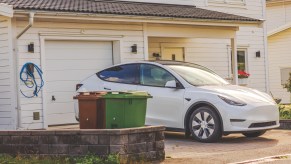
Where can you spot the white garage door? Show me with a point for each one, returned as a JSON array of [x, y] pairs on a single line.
[[67, 63]]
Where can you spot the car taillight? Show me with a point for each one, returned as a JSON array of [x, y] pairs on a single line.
[[78, 86]]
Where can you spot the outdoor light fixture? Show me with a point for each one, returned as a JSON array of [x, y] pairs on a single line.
[[134, 49], [258, 54], [30, 48]]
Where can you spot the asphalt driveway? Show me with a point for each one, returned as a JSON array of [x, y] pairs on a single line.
[[232, 148]]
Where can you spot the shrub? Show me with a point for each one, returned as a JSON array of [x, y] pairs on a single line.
[[285, 111], [288, 84], [88, 159]]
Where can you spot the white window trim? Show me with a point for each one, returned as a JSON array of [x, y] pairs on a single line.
[[239, 48], [227, 3]]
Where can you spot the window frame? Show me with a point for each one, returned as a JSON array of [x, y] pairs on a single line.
[[178, 87], [181, 86], [284, 70], [246, 60], [138, 77]]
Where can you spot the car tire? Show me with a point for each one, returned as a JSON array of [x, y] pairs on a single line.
[[254, 134], [204, 125]]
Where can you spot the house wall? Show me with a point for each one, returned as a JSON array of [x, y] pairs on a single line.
[[249, 38], [278, 15], [212, 53], [279, 55], [130, 34], [7, 119]]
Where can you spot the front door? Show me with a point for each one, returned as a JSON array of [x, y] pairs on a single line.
[[167, 103], [173, 53]]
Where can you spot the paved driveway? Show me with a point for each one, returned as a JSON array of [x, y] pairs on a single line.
[[232, 148]]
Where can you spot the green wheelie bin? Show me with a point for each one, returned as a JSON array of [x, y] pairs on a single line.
[[125, 109]]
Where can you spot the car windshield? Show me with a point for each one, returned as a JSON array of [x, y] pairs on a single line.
[[198, 75]]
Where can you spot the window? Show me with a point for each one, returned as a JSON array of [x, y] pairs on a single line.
[[127, 74], [241, 61], [152, 75], [285, 75]]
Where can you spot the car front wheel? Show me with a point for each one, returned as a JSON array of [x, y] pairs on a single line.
[[254, 134], [205, 125]]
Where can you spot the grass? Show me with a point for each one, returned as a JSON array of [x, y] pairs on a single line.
[[89, 159], [285, 112]]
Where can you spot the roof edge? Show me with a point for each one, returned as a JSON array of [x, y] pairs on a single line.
[[135, 2], [279, 29], [135, 17]]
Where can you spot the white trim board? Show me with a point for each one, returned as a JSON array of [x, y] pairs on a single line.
[[279, 29]]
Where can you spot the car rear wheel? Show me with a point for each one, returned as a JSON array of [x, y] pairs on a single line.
[[254, 134], [205, 125]]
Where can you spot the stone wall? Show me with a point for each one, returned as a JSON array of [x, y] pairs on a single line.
[[285, 124], [146, 143]]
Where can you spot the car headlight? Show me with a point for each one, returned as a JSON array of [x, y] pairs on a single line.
[[232, 102]]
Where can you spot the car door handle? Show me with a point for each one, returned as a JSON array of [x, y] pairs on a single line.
[[107, 89]]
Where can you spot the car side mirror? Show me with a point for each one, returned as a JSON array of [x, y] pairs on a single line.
[[171, 84]]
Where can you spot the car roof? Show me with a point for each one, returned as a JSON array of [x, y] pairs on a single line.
[[171, 62]]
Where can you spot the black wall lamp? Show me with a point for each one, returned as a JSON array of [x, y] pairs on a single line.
[[30, 48], [258, 54], [134, 49]]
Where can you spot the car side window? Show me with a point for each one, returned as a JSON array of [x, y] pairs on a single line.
[[151, 75], [128, 74]]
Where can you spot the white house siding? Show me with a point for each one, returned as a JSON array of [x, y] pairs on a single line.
[[278, 15], [212, 53], [249, 38], [7, 120], [279, 55], [130, 33]]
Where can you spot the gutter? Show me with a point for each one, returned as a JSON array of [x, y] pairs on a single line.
[[134, 18], [266, 59], [30, 23]]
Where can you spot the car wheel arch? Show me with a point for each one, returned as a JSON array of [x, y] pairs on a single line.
[[195, 106]]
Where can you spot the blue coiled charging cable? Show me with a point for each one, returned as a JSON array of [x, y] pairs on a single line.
[[29, 79]]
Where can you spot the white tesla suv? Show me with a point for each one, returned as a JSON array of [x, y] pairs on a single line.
[[190, 98]]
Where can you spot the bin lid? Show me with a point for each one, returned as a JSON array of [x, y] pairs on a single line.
[[89, 95], [128, 94]]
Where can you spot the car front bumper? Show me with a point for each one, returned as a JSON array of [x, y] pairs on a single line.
[[255, 117]]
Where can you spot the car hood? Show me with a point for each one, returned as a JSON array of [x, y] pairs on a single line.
[[242, 93]]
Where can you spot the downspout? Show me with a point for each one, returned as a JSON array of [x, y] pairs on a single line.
[[30, 23], [266, 59]]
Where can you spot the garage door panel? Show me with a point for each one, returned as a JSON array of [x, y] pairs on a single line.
[[79, 53], [60, 97], [61, 86], [81, 64], [60, 119], [60, 108], [76, 44], [68, 75], [67, 63]]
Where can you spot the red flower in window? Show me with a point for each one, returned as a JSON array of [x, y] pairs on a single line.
[[242, 74]]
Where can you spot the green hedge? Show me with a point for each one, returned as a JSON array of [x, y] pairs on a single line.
[[285, 111]]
